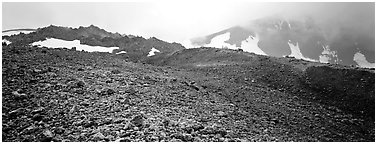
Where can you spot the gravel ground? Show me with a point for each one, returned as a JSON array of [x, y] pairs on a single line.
[[70, 96]]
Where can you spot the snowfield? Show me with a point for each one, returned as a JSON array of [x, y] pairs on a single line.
[[58, 43]]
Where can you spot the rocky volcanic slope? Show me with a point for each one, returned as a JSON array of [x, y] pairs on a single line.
[[63, 95], [137, 48]]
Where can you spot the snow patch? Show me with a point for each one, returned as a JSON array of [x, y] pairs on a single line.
[[295, 52], [58, 43], [152, 52], [360, 59], [251, 45], [219, 42], [6, 41], [122, 52], [327, 55], [324, 59], [248, 45]]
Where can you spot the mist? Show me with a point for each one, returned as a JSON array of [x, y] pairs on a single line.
[[335, 19]]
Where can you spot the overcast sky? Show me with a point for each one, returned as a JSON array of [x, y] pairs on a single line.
[[175, 21]]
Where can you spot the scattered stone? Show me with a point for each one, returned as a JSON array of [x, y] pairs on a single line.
[[59, 130], [98, 136], [17, 112], [37, 117], [47, 136], [18, 95], [123, 140], [37, 70], [89, 124], [85, 103], [138, 121], [107, 91], [109, 81], [187, 137], [119, 120], [115, 71], [80, 84], [221, 114]]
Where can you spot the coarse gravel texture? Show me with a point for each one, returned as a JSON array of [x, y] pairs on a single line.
[[63, 95]]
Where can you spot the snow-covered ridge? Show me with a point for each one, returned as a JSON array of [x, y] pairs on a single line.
[[58, 43]]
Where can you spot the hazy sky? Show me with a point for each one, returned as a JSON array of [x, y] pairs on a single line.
[[175, 21]]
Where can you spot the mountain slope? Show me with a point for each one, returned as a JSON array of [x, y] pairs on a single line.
[[329, 84], [276, 35], [202, 94], [136, 47]]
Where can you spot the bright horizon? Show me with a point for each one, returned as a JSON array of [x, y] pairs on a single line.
[[169, 20]]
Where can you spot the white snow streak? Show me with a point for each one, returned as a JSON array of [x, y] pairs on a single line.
[[152, 52], [58, 43]]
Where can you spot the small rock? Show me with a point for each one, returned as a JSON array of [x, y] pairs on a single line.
[[89, 124], [154, 138], [37, 117], [47, 136], [127, 126], [98, 136], [80, 84], [138, 121], [175, 140], [18, 95], [136, 128], [109, 81], [221, 139], [37, 70], [187, 137], [85, 103], [197, 139], [120, 120], [39, 110], [197, 127], [17, 112], [123, 140], [115, 71], [221, 114], [108, 91], [59, 130], [57, 139], [126, 134]]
